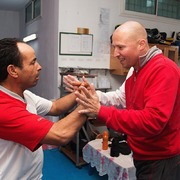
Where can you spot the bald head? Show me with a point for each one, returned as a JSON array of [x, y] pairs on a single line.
[[130, 42], [132, 30]]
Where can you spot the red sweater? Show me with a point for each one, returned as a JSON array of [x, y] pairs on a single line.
[[152, 117]]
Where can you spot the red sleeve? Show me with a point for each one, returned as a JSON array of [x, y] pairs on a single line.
[[152, 103], [21, 126]]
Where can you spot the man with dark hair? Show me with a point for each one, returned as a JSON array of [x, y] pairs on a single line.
[[23, 129]]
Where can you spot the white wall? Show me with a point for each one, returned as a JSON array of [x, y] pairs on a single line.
[[63, 15], [85, 13], [46, 48], [9, 24]]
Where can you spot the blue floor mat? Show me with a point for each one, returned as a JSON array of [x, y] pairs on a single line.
[[57, 166]]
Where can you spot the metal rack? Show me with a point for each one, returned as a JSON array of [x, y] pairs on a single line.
[[74, 155]]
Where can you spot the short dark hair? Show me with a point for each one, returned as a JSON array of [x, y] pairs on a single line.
[[9, 54]]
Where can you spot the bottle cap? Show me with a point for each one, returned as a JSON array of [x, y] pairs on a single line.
[[105, 133]]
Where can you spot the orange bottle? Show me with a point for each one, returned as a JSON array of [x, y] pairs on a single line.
[[105, 140]]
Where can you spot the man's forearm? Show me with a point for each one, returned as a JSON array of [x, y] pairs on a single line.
[[66, 128], [63, 104]]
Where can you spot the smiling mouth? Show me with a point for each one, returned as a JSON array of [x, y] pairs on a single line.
[[121, 60], [37, 77]]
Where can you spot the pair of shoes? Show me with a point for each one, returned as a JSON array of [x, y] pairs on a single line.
[[119, 146]]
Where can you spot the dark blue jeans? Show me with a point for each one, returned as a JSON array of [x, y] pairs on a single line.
[[166, 169]]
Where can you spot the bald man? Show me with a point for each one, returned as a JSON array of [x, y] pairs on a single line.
[[151, 119]]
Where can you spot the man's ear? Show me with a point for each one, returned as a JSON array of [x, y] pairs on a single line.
[[142, 44], [12, 71]]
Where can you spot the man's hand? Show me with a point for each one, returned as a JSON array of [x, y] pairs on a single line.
[[73, 84], [70, 81], [89, 100]]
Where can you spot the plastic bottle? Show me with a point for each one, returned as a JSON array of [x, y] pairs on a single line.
[[105, 140]]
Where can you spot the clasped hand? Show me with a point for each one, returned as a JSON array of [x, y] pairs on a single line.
[[86, 95]]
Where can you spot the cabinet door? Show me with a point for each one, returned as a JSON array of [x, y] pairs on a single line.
[[171, 52], [115, 65]]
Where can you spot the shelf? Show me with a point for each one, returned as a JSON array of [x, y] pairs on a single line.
[[78, 74], [95, 122], [72, 155]]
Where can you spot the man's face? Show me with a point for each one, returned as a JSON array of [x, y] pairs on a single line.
[[28, 75], [125, 49]]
